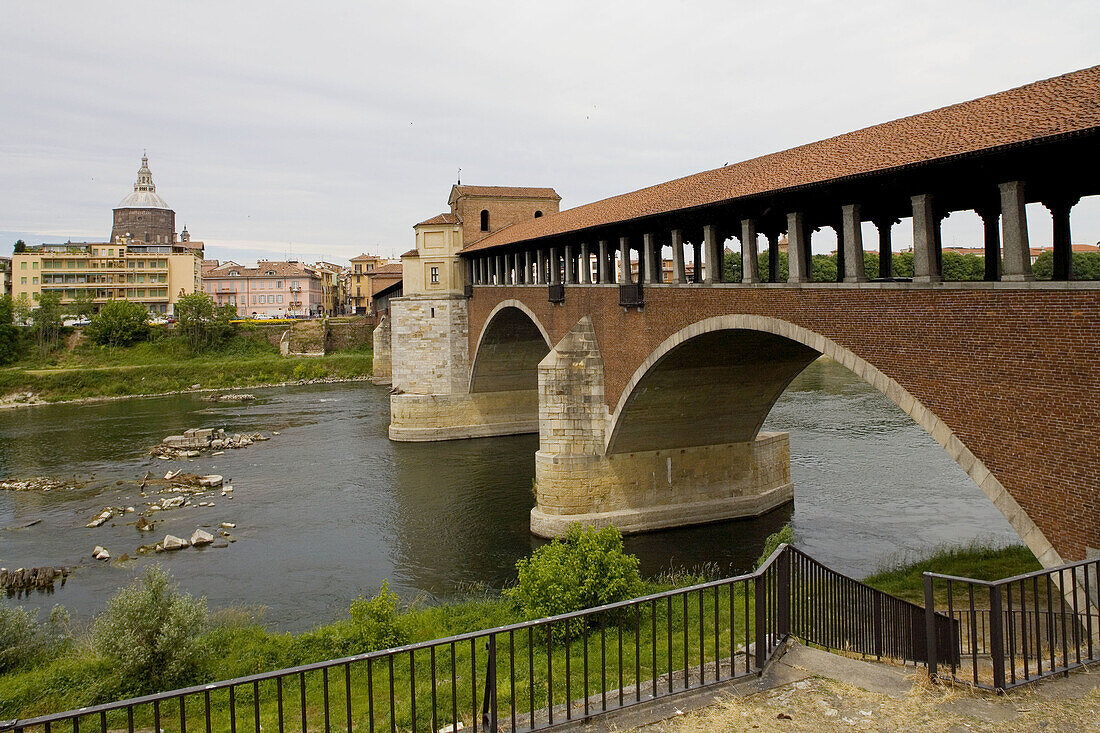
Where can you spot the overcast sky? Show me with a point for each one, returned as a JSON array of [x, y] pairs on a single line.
[[329, 129]]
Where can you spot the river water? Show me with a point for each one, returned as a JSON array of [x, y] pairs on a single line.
[[330, 508]]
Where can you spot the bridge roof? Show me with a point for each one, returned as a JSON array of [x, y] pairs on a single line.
[[1043, 109]]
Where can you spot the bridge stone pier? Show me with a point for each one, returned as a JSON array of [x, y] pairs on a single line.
[[612, 330]]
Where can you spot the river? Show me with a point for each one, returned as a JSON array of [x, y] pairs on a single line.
[[330, 508]]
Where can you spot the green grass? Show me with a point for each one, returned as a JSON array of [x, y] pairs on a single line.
[[166, 365], [237, 645], [976, 560]]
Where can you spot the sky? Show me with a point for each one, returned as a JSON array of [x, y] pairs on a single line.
[[326, 129]]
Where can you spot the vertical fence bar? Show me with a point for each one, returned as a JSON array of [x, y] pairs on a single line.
[[347, 692], [996, 638], [370, 690], [783, 596], [585, 648], [930, 626], [324, 684], [1011, 633], [412, 690], [511, 676], [489, 705], [302, 694], [637, 653]]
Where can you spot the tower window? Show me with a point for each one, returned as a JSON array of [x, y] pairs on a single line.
[[484, 220], [435, 276], [538, 214]]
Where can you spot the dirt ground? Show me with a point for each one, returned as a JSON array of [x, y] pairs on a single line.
[[819, 696]]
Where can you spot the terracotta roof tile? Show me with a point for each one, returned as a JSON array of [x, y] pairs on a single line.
[[516, 192], [440, 219], [393, 268], [411, 253], [1063, 104]]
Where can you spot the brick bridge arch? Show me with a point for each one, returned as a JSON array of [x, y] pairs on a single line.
[[1006, 371], [754, 358], [509, 348]]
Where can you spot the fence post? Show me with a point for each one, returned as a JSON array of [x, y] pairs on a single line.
[[996, 637], [783, 596], [876, 613], [930, 625], [760, 597], [489, 701]]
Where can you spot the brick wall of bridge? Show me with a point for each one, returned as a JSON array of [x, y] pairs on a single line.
[[1015, 374]]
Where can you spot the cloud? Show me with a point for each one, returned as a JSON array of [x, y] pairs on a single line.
[[337, 126]]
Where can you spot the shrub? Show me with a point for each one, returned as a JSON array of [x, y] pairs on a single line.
[[586, 568], [374, 624], [150, 631], [119, 323], [24, 642], [774, 540]]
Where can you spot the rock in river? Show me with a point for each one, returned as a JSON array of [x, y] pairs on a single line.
[[201, 537], [171, 542], [211, 480]]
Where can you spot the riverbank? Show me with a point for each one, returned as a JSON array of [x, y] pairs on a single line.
[[166, 367], [235, 641]]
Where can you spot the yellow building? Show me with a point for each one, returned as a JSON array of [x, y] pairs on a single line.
[[155, 275], [357, 283], [150, 266], [476, 212]]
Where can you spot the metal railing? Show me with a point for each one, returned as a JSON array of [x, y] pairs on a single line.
[[542, 673], [556, 292], [631, 295], [839, 613], [1017, 630]]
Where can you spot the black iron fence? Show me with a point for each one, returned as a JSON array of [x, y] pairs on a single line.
[[631, 295], [1017, 630], [542, 673]]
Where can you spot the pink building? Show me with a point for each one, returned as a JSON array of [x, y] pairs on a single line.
[[270, 289]]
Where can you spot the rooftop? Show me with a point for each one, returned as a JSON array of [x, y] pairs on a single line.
[[144, 195], [1044, 109], [505, 192]]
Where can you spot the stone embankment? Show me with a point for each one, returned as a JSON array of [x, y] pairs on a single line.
[[39, 483], [27, 579], [234, 397], [196, 440]]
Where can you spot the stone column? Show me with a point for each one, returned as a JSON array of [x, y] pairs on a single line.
[[652, 258], [624, 261], [697, 261], [925, 222], [773, 256], [750, 266], [679, 273], [586, 265], [1059, 209], [797, 242], [602, 276], [853, 245], [469, 272], [885, 248], [714, 254], [555, 267], [991, 237], [570, 271], [541, 267], [1017, 252]]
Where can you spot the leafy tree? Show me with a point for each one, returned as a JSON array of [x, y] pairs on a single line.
[[20, 246], [21, 309], [1086, 266], [9, 333], [960, 267], [82, 307], [824, 268], [24, 642], [46, 320], [903, 264], [202, 323], [119, 323], [150, 631]]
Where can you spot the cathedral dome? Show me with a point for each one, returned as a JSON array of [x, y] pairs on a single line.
[[144, 195]]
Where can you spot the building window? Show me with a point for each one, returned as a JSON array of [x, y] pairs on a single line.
[[484, 220], [435, 276], [538, 214]]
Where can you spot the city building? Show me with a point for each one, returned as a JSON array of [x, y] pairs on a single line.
[[331, 276], [358, 282], [385, 283], [268, 290], [144, 261]]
